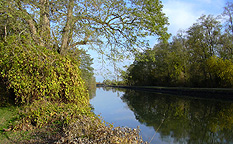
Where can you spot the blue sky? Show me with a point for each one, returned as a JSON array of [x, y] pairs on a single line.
[[181, 14]]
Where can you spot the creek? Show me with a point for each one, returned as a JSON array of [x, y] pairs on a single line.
[[165, 119]]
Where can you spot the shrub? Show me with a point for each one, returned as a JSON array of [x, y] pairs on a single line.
[[43, 81]]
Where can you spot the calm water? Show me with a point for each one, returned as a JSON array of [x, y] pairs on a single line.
[[176, 119]]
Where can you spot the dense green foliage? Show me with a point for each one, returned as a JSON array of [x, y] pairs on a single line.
[[42, 79], [36, 73], [87, 71], [200, 57], [85, 65]]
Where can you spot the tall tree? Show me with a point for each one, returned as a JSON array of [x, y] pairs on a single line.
[[203, 41], [87, 70], [117, 25]]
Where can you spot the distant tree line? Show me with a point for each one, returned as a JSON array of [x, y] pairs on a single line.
[[201, 56], [112, 82]]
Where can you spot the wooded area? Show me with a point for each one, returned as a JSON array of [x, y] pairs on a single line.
[[201, 56]]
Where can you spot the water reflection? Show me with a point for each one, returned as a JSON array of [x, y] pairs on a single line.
[[186, 120]]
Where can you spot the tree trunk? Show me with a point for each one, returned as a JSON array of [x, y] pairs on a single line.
[[31, 23], [33, 31], [45, 24], [67, 29]]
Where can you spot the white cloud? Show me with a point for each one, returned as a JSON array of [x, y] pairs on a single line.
[[182, 13]]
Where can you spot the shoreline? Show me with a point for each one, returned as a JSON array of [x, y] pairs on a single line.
[[210, 93]]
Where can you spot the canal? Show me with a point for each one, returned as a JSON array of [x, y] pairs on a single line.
[[166, 119]]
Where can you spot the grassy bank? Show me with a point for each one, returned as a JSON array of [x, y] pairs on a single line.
[[7, 114], [8, 118]]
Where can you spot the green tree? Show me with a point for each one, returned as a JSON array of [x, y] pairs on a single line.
[[178, 60], [203, 42], [87, 71], [107, 82], [164, 65], [116, 25], [170, 62]]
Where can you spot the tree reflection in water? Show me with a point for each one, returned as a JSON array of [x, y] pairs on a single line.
[[187, 120]]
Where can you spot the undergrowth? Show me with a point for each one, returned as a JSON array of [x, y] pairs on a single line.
[[47, 85]]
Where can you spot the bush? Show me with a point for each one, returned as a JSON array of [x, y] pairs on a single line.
[[43, 81]]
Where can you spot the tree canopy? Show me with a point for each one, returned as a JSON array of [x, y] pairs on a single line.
[[198, 57], [115, 25]]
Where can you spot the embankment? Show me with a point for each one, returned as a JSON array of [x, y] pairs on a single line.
[[213, 93]]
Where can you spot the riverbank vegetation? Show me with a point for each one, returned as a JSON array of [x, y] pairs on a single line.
[[45, 74], [201, 56]]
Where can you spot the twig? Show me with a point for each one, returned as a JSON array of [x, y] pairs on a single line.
[[156, 131]]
